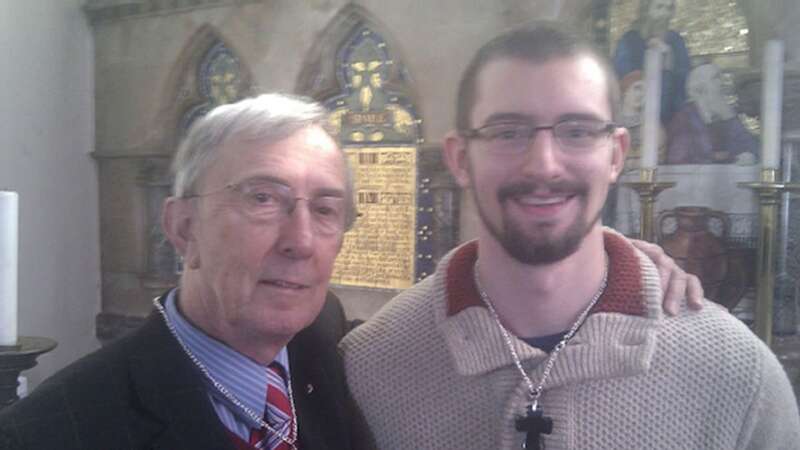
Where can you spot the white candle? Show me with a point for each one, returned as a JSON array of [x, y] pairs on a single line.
[[9, 230], [771, 104], [652, 109]]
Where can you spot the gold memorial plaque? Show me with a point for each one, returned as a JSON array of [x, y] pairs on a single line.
[[380, 249]]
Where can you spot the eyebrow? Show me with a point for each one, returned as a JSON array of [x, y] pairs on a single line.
[[507, 117], [580, 116], [527, 118]]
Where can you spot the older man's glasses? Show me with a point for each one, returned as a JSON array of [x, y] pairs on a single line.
[[513, 138], [269, 201]]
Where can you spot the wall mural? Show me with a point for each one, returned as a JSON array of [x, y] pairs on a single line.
[[705, 145], [698, 114]]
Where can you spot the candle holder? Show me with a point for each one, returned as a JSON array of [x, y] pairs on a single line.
[[647, 189], [15, 359], [769, 193]]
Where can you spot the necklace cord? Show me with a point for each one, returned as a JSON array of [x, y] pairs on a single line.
[[535, 392], [290, 439]]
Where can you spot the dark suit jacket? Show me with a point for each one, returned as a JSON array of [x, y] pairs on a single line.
[[143, 392]]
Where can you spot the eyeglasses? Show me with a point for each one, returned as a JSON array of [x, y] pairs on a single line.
[[269, 201], [512, 138]]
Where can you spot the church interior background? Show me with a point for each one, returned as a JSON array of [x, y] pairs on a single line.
[[97, 93]]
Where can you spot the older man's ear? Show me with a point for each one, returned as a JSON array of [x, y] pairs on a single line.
[[176, 221]]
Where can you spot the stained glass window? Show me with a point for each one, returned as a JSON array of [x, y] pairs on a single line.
[[219, 81], [367, 111]]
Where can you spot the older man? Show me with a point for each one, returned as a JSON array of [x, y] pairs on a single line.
[[243, 353], [548, 329]]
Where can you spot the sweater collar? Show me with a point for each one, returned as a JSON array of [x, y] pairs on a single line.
[[617, 339]]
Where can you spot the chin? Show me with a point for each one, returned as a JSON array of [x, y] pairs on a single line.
[[274, 330], [290, 321], [278, 312]]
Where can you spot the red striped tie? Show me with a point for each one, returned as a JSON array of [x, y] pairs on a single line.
[[278, 413]]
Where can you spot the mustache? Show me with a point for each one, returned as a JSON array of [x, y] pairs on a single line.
[[525, 187]]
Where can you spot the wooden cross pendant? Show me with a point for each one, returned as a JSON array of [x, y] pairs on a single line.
[[534, 423]]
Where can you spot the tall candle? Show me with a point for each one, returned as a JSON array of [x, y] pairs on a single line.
[[771, 104], [652, 109], [9, 231]]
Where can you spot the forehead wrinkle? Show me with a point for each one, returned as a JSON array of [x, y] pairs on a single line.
[[265, 178], [316, 192]]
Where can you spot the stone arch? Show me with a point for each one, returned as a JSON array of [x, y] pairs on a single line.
[[184, 90]]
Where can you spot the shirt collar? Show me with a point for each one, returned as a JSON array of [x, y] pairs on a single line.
[[240, 375]]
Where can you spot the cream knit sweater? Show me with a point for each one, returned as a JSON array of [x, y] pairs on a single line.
[[430, 371]]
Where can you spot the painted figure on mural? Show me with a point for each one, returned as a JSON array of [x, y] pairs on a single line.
[[651, 30], [707, 130]]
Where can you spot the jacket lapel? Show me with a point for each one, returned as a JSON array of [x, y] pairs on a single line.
[[324, 413], [176, 411]]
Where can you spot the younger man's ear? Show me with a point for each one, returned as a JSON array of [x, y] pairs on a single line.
[[621, 141], [455, 157]]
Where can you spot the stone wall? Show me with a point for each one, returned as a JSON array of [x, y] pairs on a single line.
[[46, 127]]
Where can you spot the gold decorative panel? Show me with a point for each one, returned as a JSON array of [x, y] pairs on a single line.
[[389, 246], [379, 251]]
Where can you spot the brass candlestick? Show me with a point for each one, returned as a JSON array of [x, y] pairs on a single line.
[[769, 192], [648, 190]]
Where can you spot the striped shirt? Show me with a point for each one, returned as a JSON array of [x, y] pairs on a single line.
[[243, 377]]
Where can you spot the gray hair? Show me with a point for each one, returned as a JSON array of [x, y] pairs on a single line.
[[267, 119]]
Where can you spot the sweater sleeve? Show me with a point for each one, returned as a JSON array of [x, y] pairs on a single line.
[[773, 421]]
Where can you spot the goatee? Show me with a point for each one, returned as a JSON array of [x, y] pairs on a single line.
[[528, 246]]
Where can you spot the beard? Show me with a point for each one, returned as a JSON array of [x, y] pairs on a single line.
[[533, 244]]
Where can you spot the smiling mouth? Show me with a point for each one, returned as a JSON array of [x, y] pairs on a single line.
[[283, 284], [533, 200]]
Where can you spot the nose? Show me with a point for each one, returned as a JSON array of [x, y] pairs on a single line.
[[297, 232], [542, 158]]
